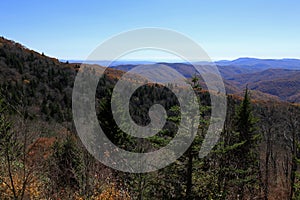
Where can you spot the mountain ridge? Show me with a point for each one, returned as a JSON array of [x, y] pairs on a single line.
[[269, 82]]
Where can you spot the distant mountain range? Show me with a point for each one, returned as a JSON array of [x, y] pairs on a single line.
[[110, 63], [262, 63], [251, 63], [270, 79]]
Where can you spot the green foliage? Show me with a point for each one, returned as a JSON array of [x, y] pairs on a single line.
[[67, 164], [43, 88], [195, 82], [296, 184], [238, 154]]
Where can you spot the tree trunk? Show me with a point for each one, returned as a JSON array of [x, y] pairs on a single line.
[[189, 182], [268, 153], [294, 162]]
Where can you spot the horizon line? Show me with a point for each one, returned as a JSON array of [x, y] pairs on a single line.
[[179, 60]]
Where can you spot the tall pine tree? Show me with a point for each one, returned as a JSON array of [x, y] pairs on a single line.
[[239, 158], [247, 155]]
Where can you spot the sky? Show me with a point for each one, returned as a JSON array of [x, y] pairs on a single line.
[[230, 29]]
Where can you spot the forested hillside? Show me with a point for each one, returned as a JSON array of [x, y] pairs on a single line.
[[269, 79], [257, 156]]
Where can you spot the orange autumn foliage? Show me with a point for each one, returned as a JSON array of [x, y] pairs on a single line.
[[34, 189]]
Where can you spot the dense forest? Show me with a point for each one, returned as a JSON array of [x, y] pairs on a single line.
[[257, 156]]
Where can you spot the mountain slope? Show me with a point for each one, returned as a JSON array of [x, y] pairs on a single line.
[[271, 83], [255, 63], [282, 83]]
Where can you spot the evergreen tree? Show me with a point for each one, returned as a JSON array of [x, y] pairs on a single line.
[[247, 154], [66, 167], [239, 159], [189, 166]]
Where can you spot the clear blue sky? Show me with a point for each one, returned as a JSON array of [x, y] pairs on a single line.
[[226, 29]]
